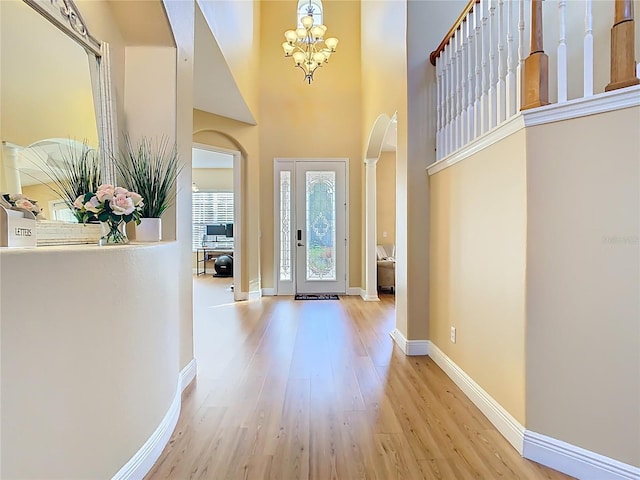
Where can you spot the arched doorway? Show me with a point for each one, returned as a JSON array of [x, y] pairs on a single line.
[[382, 137]]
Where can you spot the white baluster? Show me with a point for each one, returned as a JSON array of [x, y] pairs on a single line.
[[445, 101], [463, 88], [438, 108], [492, 65], [456, 93], [502, 70], [588, 50], [511, 83], [520, 69], [443, 106], [470, 76], [450, 87], [450, 92], [562, 52], [484, 100], [477, 105]]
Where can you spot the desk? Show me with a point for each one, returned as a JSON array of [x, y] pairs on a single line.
[[208, 253]]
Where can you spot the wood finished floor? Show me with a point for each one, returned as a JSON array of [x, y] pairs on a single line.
[[316, 390]]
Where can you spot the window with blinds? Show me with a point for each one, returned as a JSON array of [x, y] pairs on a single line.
[[210, 208]]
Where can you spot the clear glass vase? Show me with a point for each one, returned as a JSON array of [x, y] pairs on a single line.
[[113, 233]]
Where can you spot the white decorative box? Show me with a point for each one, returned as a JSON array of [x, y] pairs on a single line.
[[17, 228]]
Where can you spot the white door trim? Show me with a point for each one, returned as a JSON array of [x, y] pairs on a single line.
[[238, 209], [278, 162]]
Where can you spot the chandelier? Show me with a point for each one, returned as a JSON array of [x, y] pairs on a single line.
[[307, 46]]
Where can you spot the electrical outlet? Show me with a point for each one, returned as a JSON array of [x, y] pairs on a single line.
[[384, 234], [453, 334]]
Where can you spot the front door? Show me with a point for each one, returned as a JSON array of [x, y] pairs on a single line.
[[311, 241]]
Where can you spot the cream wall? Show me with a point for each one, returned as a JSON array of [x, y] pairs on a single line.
[[583, 302], [427, 23], [150, 93], [477, 268], [216, 179], [386, 198], [88, 372], [181, 17], [321, 120], [384, 60], [236, 27], [384, 73]]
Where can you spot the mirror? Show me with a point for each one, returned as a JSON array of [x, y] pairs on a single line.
[[52, 70]]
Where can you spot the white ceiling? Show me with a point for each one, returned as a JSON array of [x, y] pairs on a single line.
[[208, 159], [215, 89]]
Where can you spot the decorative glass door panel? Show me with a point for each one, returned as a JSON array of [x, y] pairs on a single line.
[[320, 239], [321, 226]]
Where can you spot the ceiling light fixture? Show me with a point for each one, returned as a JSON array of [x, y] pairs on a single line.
[[307, 46]]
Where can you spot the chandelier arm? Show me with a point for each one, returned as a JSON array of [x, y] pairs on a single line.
[[311, 49]]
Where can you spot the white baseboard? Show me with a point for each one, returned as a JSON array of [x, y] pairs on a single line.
[[354, 291], [556, 454], [255, 295], [240, 296], [575, 461], [144, 459], [369, 298], [187, 375], [268, 292], [508, 426], [410, 347]]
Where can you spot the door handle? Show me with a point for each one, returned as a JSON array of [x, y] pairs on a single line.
[[300, 244]]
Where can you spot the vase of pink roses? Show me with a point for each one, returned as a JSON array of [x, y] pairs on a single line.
[[113, 207]]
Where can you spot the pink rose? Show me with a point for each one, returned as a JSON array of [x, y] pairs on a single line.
[[79, 202], [137, 199], [120, 191], [121, 205], [105, 192], [93, 205], [24, 203]]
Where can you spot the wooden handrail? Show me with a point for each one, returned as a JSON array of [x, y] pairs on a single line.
[[461, 18]]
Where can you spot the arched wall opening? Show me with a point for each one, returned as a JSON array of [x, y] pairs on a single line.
[[222, 142], [382, 138]]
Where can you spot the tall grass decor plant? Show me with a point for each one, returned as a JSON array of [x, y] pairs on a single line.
[[75, 173], [150, 168]]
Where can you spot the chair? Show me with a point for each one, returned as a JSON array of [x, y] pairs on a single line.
[[386, 267]]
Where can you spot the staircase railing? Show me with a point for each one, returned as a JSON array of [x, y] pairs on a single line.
[[484, 78]]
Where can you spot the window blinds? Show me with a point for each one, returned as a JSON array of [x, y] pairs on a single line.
[[209, 208]]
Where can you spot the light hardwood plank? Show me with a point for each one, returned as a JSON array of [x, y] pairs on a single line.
[[317, 390]]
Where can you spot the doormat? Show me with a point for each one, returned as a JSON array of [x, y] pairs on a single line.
[[316, 296]]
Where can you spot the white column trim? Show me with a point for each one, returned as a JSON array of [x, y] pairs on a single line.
[[371, 288]]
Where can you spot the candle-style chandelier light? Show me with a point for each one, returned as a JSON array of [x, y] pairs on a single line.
[[307, 45]]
